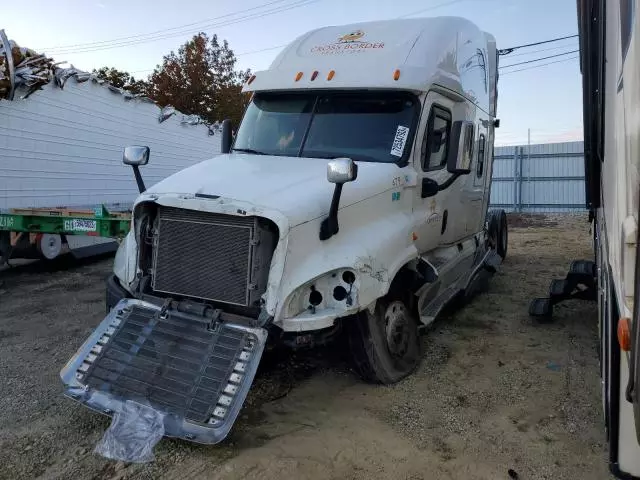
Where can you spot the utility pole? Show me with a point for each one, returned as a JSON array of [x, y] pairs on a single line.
[[529, 186]]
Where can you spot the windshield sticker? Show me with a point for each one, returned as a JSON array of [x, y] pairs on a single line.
[[398, 142]]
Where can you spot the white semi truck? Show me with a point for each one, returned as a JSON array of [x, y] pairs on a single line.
[[610, 65], [353, 200]]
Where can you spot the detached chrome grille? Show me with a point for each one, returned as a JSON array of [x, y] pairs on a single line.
[[210, 256], [170, 360]]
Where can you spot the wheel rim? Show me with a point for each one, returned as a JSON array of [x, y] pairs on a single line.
[[50, 245], [397, 329]]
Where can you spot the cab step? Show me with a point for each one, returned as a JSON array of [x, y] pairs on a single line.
[[195, 372], [558, 288], [583, 267], [540, 307], [493, 261], [429, 314], [582, 272], [580, 283]]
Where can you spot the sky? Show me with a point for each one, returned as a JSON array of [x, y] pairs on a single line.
[[545, 100]]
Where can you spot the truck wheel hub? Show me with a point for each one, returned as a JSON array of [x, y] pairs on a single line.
[[397, 329]]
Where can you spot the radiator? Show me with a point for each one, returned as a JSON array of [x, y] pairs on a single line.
[[217, 257]]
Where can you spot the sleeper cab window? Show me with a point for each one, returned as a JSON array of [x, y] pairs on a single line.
[[468, 144], [627, 17], [436, 139], [481, 149]]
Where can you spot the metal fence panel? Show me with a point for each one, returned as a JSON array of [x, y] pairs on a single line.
[[540, 178]]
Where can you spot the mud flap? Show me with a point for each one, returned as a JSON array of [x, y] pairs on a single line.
[[196, 375]]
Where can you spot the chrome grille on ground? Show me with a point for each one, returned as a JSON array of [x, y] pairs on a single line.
[[194, 372], [172, 361], [204, 255]]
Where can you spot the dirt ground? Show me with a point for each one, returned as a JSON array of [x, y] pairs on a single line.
[[497, 396]]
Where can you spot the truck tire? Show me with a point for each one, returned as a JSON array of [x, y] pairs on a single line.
[[385, 345], [503, 234], [498, 232]]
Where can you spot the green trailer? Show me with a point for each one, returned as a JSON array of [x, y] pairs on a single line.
[[47, 233]]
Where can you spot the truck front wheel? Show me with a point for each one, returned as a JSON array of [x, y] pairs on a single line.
[[385, 345]]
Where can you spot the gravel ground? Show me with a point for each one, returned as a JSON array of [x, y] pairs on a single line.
[[497, 396]]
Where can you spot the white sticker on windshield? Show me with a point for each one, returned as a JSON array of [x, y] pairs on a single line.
[[398, 142]]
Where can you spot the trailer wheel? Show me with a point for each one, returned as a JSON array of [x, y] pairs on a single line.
[[5, 247], [385, 345], [49, 245]]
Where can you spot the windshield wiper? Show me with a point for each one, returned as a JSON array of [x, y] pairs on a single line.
[[248, 150], [323, 156]]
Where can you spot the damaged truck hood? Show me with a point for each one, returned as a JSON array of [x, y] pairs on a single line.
[[296, 187]]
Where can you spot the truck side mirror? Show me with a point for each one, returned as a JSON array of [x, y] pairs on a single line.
[[342, 170], [429, 187], [136, 156], [339, 171], [227, 136], [461, 151]]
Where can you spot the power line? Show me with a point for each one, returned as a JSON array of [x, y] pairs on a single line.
[[538, 66], [540, 50], [506, 51], [296, 4], [163, 31], [264, 13], [180, 30], [433, 7], [541, 58], [235, 54]]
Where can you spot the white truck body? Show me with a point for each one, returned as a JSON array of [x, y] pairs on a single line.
[[441, 61], [412, 103], [610, 64]]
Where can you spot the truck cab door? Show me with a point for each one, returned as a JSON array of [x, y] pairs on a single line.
[[475, 192], [430, 161]]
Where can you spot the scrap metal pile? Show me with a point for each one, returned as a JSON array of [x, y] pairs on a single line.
[[25, 70], [22, 67]]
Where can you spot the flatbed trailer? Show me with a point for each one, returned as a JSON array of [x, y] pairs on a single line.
[[48, 232]]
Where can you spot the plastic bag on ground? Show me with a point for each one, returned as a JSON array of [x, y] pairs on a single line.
[[133, 433]]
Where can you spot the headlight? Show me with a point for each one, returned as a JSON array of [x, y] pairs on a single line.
[[337, 290], [124, 264]]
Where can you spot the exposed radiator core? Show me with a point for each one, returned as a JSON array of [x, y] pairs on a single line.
[[217, 257]]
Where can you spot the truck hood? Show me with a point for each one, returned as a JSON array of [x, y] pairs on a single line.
[[297, 187]]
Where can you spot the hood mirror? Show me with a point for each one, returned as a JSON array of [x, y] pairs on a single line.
[[227, 137], [342, 170], [339, 172], [135, 155]]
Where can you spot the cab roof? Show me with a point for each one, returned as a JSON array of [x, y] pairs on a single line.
[[405, 54]]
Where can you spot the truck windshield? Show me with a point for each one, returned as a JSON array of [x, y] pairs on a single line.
[[372, 127]]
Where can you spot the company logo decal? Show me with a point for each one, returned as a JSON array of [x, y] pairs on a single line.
[[351, 37], [433, 217], [346, 44]]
